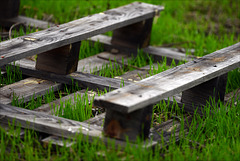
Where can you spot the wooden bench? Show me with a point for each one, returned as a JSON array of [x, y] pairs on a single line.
[[58, 47], [129, 109]]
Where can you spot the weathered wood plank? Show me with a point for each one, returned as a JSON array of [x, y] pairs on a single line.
[[58, 126], [83, 80], [173, 81], [157, 52], [26, 89], [8, 22], [75, 31], [96, 62]]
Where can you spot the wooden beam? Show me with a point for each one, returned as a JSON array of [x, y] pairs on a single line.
[[83, 80], [9, 8], [26, 89], [62, 127], [170, 82], [200, 95], [134, 125], [158, 53], [63, 60], [75, 31], [133, 36]]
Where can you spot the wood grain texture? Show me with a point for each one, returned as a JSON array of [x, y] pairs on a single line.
[[157, 52], [46, 123], [83, 80], [63, 60], [75, 31], [26, 89], [59, 126], [170, 82]]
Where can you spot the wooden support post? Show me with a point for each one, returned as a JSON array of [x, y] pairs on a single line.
[[9, 8], [63, 60], [133, 36], [131, 125], [198, 96]]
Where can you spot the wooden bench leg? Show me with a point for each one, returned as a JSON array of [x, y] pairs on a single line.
[[133, 36], [132, 125], [63, 60], [198, 96], [9, 8]]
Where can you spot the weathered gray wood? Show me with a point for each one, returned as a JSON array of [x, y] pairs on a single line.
[[45, 123], [95, 63], [75, 31], [133, 36], [83, 80], [212, 90], [137, 75], [173, 81], [97, 121], [26, 89], [63, 60], [59, 126], [8, 22], [57, 141], [9, 8], [158, 52]]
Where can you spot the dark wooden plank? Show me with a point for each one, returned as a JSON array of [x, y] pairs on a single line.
[[26, 89], [134, 36], [83, 80], [134, 125], [157, 52], [75, 31], [27, 21], [9, 8], [173, 81], [63, 60], [198, 96]]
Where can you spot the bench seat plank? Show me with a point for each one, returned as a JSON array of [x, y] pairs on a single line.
[[75, 31], [155, 88]]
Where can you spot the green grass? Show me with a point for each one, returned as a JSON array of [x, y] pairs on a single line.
[[205, 26], [12, 75]]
